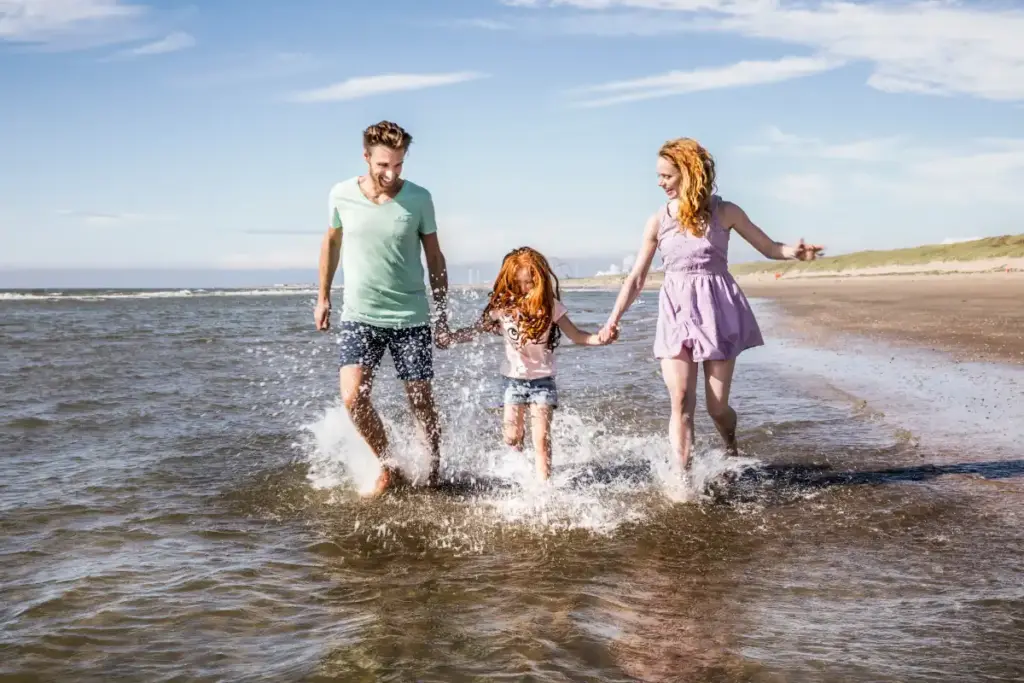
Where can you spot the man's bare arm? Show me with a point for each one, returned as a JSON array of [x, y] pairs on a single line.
[[437, 268], [330, 254]]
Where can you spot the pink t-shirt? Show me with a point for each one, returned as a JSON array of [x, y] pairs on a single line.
[[532, 360]]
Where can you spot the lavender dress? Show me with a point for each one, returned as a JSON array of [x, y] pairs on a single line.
[[701, 308]]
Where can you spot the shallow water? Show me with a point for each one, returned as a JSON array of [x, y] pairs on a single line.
[[179, 501]]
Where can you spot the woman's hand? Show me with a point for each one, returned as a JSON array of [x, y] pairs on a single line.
[[608, 334], [805, 252]]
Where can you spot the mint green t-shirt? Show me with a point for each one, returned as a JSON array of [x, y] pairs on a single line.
[[380, 254]]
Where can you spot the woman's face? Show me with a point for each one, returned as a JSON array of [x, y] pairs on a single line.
[[670, 178]]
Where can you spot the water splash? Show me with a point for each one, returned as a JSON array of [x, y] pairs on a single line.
[[600, 481]]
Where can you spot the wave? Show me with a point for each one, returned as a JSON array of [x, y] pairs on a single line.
[[131, 294]]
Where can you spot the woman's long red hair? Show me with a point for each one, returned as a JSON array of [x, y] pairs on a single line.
[[698, 167], [533, 310]]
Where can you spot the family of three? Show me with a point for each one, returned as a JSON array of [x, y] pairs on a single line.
[[379, 223]]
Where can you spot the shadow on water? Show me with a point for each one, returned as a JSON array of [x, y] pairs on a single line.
[[752, 481], [822, 476]]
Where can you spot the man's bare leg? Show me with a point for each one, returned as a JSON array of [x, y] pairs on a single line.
[[421, 400], [356, 385]]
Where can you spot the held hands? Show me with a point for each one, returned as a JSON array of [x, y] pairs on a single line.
[[322, 315], [442, 334], [608, 334], [807, 252]]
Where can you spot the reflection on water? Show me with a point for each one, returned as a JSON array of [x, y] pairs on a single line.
[[180, 502]]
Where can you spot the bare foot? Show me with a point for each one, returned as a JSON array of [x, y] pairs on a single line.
[[388, 479]]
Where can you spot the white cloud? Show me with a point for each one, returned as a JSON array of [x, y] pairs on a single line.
[[67, 23], [294, 258], [803, 189], [980, 170], [713, 78], [485, 24], [367, 86], [98, 219], [864, 149], [171, 43], [933, 47], [251, 68]]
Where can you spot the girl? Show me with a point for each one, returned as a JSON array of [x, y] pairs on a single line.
[[703, 316], [525, 308]]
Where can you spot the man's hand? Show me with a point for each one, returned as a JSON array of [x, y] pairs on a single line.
[[442, 335], [322, 315]]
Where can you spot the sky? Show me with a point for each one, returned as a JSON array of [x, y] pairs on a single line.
[[171, 134]]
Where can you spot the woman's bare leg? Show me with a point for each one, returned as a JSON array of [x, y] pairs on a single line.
[[681, 380], [717, 383]]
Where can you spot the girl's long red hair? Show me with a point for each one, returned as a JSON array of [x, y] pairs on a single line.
[[532, 311]]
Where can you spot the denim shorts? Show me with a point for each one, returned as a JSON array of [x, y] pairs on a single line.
[[540, 391], [411, 348]]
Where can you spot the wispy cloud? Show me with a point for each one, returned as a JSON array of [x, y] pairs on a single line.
[[277, 258], [69, 24], [926, 47], [864, 149], [803, 189], [971, 172], [714, 78], [100, 219], [479, 23], [252, 68], [368, 86], [171, 43]]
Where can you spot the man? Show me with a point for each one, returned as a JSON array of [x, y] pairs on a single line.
[[384, 222]]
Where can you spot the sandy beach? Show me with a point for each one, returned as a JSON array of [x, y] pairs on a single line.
[[969, 316], [972, 316]]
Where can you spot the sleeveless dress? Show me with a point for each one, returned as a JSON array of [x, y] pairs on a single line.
[[701, 308]]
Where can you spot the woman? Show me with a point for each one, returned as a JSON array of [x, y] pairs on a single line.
[[703, 315]]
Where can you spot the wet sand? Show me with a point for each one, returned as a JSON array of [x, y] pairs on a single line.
[[972, 317]]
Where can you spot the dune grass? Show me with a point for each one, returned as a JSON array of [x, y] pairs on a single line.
[[1006, 246]]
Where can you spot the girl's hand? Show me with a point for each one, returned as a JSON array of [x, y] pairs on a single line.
[[608, 334]]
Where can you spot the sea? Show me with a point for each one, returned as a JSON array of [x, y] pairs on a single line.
[[180, 500]]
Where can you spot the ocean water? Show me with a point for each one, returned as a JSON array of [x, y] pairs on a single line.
[[179, 501]]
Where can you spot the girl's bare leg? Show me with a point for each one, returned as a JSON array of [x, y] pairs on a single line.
[[514, 425], [681, 380], [540, 430], [717, 383]]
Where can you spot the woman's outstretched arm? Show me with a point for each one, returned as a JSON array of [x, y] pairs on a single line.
[[634, 283], [735, 217]]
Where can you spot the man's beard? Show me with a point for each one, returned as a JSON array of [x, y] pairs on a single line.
[[381, 182]]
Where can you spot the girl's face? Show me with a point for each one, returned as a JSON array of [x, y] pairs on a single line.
[[524, 280]]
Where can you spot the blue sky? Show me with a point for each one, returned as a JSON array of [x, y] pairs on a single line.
[[171, 134]]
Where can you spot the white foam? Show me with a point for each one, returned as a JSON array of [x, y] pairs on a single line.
[[152, 294], [634, 467], [939, 401]]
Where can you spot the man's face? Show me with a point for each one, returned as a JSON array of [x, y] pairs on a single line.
[[385, 165]]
